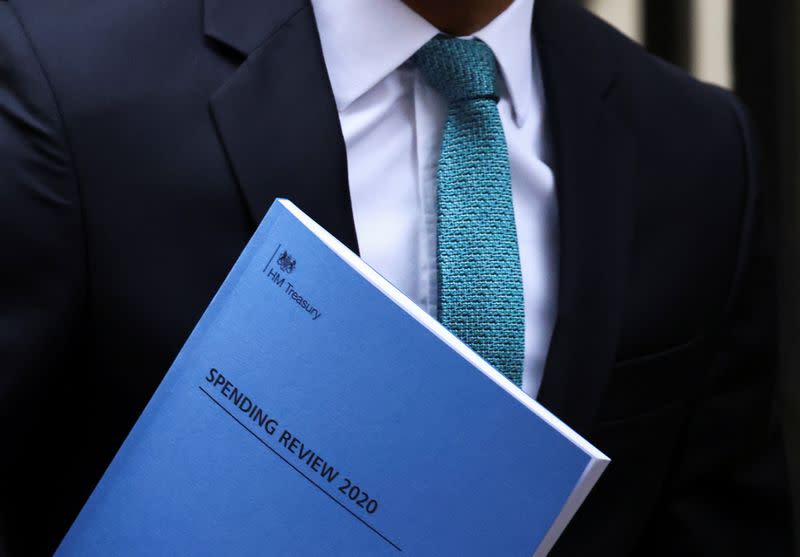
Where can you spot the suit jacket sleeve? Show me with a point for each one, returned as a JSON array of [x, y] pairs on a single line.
[[728, 494], [42, 278]]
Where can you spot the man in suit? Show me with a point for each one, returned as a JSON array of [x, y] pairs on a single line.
[[141, 143]]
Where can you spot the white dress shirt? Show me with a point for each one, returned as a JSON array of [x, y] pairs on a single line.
[[392, 122]]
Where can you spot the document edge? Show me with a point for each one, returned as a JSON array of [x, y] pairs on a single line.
[[582, 489]]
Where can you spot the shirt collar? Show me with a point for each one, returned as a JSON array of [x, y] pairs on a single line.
[[363, 41]]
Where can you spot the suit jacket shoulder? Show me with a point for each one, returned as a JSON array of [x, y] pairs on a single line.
[[694, 189]]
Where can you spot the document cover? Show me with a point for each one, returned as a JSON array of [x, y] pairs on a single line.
[[315, 410]]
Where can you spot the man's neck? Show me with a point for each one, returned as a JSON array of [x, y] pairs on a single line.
[[459, 17]]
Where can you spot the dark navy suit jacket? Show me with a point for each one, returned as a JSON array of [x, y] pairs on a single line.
[[141, 141]]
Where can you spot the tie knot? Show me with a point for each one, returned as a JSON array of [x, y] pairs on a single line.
[[460, 69]]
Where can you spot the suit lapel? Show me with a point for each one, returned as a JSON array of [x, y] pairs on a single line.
[[276, 114], [594, 164]]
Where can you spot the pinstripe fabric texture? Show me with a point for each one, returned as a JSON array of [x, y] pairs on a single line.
[[480, 282]]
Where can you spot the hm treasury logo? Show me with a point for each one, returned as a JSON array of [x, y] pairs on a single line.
[[286, 262]]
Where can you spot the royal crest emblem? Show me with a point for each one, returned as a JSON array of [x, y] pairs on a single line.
[[286, 262]]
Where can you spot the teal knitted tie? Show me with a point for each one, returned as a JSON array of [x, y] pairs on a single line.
[[480, 282]]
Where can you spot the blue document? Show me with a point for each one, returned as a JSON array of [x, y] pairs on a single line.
[[315, 410]]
